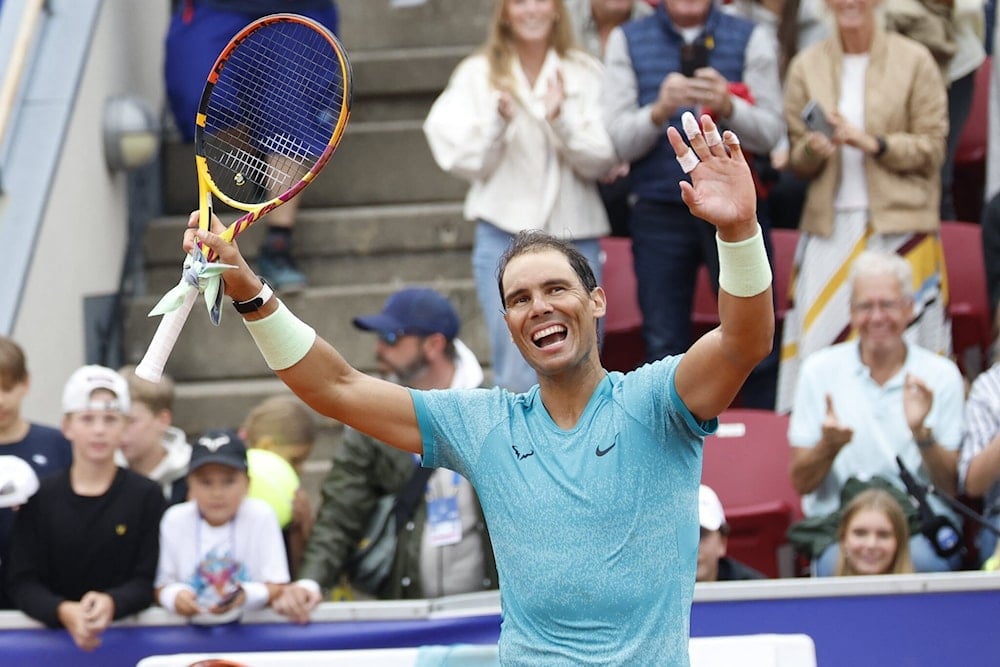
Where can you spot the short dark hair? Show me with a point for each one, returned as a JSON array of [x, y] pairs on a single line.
[[534, 240], [13, 367]]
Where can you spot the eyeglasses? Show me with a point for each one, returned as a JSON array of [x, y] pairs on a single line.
[[885, 305], [391, 338]]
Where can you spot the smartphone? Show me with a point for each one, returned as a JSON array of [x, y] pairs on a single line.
[[815, 119], [693, 57], [229, 598]]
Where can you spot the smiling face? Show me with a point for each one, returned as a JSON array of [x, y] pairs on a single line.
[[853, 15], [531, 21], [869, 544], [880, 312], [550, 314]]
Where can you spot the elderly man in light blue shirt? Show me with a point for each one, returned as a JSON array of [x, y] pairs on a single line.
[[862, 403]]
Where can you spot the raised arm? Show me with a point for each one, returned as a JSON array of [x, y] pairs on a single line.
[[309, 365], [722, 192]]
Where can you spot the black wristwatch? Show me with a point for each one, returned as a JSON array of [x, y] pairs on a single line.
[[882, 146], [254, 304]]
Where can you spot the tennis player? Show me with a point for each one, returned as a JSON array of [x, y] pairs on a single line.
[[589, 480]]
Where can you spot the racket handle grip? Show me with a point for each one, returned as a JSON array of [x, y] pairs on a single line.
[[151, 366]]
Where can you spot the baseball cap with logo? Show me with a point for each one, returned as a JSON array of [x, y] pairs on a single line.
[[414, 311], [18, 481], [710, 514], [220, 446], [88, 379]]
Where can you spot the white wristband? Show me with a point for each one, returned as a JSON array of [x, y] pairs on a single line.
[[281, 337], [743, 266], [168, 595]]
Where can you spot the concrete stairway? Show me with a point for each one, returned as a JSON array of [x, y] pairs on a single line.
[[380, 216]]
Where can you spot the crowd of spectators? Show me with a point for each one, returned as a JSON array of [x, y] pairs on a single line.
[[558, 122]]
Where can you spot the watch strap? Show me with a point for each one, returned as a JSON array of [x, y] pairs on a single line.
[[254, 304]]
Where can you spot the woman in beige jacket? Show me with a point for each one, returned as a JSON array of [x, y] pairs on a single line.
[[874, 178]]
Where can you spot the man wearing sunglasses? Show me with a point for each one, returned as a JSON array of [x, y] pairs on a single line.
[[444, 549]]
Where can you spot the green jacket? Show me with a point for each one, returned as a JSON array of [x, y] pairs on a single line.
[[364, 470]]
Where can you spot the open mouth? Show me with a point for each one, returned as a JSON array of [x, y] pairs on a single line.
[[549, 335]]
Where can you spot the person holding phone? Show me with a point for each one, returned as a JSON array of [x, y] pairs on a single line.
[[874, 178], [687, 56], [220, 552]]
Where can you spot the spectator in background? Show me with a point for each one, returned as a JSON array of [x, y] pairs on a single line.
[[198, 32], [795, 25], [520, 121], [220, 552], [283, 427], [873, 536], [967, 17], [418, 347], [687, 56], [713, 563], [152, 446], [860, 404], [874, 182], [593, 21], [991, 212], [979, 464], [44, 448], [85, 545]]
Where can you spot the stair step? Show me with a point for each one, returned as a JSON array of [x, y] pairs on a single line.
[[376, 163], [401, 84], [206, 353], [343, 246], [374, 24]]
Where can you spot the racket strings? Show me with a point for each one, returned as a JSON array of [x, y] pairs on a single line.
[[272, 111]]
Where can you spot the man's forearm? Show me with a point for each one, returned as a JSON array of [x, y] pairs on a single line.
[[942, 464], [810, 466]]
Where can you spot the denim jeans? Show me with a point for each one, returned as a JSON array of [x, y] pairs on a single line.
[[668, 246], [510, 370]]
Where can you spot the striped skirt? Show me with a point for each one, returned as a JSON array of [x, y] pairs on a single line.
[[820, 312]]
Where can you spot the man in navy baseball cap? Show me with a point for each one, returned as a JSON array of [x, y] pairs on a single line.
[[417, 339], [414, 311]]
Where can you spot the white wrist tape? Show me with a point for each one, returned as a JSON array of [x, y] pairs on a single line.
[[743, 266], [169, 593], [281, 337]]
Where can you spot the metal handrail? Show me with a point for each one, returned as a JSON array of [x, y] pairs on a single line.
[[19, 55]]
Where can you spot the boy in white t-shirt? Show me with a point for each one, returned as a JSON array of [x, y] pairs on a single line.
[[220, 552]]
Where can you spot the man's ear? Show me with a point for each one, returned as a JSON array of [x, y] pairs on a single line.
[[434, 345], [600, 300]]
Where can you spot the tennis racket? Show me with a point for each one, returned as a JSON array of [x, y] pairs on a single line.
[[273, 110]]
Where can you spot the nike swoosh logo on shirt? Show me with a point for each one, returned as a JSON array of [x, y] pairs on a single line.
[[602, 452]]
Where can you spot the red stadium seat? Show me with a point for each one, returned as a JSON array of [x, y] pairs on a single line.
[[969, 305], [623, 348], [757, 537], [785, 241], [747, 464], [969, 170], [705, 307]]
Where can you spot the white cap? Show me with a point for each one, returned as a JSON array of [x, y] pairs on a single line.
[[84, 381], [18, 481], [710, 514]]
